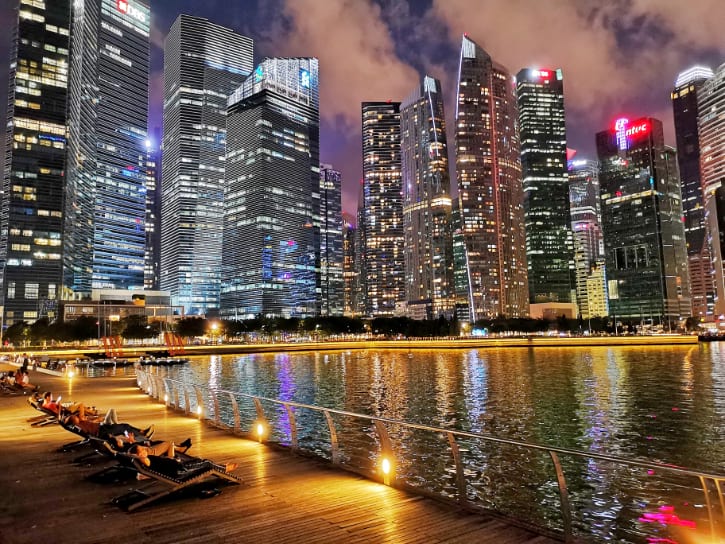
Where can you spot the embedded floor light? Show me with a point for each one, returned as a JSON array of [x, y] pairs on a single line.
[[260, 431], [166, 397], [199, 410], [386, 467]]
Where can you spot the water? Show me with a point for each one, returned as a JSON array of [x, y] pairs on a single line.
[[663, 404]]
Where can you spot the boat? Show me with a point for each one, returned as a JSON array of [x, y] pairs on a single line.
[[162, 361]]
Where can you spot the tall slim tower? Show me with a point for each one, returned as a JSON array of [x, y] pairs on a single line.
[[104, 237], [350, 273], [332, 284], [31, 211], [383, 270], [153, 212], [685, 109], [549, 243], [711, 133], [488, 171], [644, 235], [271, 252], [203, 64], [427, 201]]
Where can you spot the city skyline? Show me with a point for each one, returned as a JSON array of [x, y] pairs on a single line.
[[618, 67]]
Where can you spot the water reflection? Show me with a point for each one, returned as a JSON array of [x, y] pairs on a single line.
[[650, 403]]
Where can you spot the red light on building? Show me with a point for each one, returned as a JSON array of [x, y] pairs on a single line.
[[122, 6]]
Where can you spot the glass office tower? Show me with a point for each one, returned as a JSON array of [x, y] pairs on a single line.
[[644, 234], [549, 243], [488, 171], [203, 64], [105, 206], [271, 251], [381, 214], [332, 284], [426, 202], [33, 177]]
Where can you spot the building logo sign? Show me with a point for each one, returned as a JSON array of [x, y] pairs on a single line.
[[623, 131], [546, 74], [258, 74], [304, 78], [129, 9]]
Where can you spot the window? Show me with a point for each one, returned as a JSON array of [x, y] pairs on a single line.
[[31, 291]]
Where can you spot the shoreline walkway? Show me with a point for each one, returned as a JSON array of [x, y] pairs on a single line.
[[284, 498]]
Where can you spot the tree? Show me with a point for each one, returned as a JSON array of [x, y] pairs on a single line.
[[17, 333], [137, 326], [190, 327]]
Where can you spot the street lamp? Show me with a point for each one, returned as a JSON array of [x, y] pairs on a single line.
[[214, 331]]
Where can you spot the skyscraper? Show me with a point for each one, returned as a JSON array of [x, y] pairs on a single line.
[[153, 213], [33, 177], [644, 235], [104, 236], [271, 252], [426, 201], [549, 244], [332, 284], [203, 64], [351, 275], [685, 109], [488, 171], [383, 267], [711, 134], [586, 225]]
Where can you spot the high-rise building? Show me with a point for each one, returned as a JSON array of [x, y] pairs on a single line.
[[332, 284], [711, 134], [204, 63], [153, 213], [549, 243], [383, 266], [104, 238], [685, 109], [586, 225], [271, 252], [428, 252], [644, 235], [350, 274], [488, 171], [31, 211]]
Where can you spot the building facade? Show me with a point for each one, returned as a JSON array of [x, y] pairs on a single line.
[[685, 109], [104, 237], [203, 64], [549, 242], [644, 235], [31, 211], [271, 251], [488, 171], [711, 134], [332, 284], [350, 272], [383, 264], [152, 255], [428, 250], [586, 225]]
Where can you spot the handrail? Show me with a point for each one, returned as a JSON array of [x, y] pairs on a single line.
[[379, 424]]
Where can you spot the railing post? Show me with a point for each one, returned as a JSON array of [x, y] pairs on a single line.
[[460, 474], [705, 492], [293, 425], [176, 396], [187, 401], [215, 401], [334, 449], [167, 391], [199, 401], [235, 410], [564, 496], [386, 450]]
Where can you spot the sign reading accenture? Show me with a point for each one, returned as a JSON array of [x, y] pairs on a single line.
[[124, 6]]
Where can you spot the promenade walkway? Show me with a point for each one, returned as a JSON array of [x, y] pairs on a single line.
[[284, 498]]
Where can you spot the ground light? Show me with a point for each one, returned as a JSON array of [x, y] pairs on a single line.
[[199, 411], [386, 466], [260, 430]]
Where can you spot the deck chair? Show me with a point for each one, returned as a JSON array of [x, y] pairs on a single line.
[[176, 474], [47, 417]]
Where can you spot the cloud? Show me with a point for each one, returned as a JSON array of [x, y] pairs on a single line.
[[358, 61]]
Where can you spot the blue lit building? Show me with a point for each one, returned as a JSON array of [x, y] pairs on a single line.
[[203, 64], [271, 249], [105, 199]]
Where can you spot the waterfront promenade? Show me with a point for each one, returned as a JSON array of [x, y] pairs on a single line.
[[284, 498]]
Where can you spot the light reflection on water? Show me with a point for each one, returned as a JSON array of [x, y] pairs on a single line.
[[650, 403]]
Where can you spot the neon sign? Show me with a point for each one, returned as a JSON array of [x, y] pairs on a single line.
[[623, 131], [541, 73], [124, 7]]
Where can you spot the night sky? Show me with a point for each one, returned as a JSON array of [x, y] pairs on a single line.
[[619, 57]]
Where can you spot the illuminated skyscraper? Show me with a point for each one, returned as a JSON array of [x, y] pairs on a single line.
[[332, 284], [685, 108], [33, 178], [426, 201], [586, 224], [350, 245], [711, 133], [271, 252], [104, 237], [203, 64], [549, 243], [153, 213], [383, 265], [644, 235], [488, 171]]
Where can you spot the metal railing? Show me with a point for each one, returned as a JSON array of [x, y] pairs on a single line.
[[179, 395]]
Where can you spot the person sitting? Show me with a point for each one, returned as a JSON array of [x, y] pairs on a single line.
[[77, 408], [22, 381], [162, 449], [111, 429]]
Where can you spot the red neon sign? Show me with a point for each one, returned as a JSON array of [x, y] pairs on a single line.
[[122, 6]]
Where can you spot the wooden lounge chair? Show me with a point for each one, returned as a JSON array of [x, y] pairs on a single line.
[[176, 474]]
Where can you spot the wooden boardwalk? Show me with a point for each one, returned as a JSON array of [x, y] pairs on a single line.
[[284, 498]]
